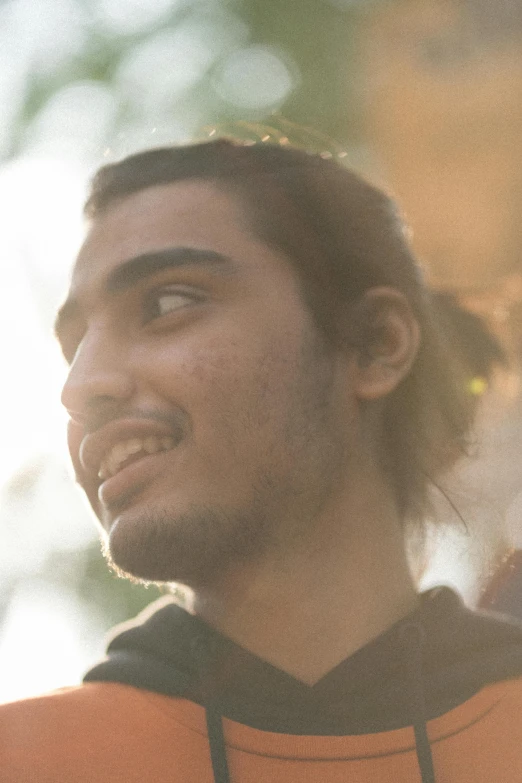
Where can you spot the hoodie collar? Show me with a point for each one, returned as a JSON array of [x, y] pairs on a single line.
[[172, 652]]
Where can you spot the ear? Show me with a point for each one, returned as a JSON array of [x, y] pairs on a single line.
[[388, 341]]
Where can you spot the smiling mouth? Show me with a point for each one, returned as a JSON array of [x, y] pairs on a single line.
[[128, 451]]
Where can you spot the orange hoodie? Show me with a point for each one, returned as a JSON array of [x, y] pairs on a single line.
[[111, 733], [437, 698]]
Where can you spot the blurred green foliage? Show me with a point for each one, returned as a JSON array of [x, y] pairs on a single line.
[[316, 39]]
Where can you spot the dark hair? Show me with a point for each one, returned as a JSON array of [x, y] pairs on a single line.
[[476, 346], [344, 236]]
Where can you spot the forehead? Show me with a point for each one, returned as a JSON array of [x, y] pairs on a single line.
[[193, 214]]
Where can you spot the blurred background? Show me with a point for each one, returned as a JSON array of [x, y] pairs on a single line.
[[423, 96]]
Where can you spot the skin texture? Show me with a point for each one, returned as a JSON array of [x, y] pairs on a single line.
[[272, 507]]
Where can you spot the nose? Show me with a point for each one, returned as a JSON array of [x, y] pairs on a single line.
[[98, 383]]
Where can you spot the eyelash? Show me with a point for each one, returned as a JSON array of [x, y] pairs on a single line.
[[151, 309]]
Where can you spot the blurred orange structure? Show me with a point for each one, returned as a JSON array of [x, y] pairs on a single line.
[[443, 84]]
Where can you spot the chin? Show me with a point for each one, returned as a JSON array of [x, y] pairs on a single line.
[[194, 548]]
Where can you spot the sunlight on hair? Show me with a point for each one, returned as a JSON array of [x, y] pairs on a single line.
[[280, 131]]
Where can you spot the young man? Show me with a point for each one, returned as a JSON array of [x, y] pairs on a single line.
[[258, 403]]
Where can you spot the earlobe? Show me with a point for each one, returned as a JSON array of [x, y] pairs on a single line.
[[390, 340]]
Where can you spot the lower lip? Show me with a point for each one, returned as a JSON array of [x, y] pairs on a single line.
[[130, 478]]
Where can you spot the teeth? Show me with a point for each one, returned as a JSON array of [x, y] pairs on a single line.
[[121, 451], [133, 446], [118, 454]]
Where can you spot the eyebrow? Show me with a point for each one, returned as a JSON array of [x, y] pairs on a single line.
[[138, 268], [134, 270]]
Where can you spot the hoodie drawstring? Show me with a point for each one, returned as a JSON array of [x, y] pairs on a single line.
[[216, 741], [413, 634]]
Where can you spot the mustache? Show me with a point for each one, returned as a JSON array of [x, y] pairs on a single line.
[[175, 420]]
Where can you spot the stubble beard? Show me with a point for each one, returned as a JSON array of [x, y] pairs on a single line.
[[194, 548], [200, 545]]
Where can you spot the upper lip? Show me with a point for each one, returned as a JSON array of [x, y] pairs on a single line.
[[95, 446]]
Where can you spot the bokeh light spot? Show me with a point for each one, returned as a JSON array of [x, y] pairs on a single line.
[[256, 77]]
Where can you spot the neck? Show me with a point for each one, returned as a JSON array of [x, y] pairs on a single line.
[[306, 608]]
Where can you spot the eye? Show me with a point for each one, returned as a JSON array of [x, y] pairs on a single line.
[[167, 300]]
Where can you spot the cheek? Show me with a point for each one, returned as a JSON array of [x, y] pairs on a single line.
[[183, 369], [228, 379], [220, 385]]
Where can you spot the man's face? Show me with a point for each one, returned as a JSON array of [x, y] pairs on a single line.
[[205, 417]]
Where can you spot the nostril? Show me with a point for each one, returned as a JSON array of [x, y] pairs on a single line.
[[90, 393]]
